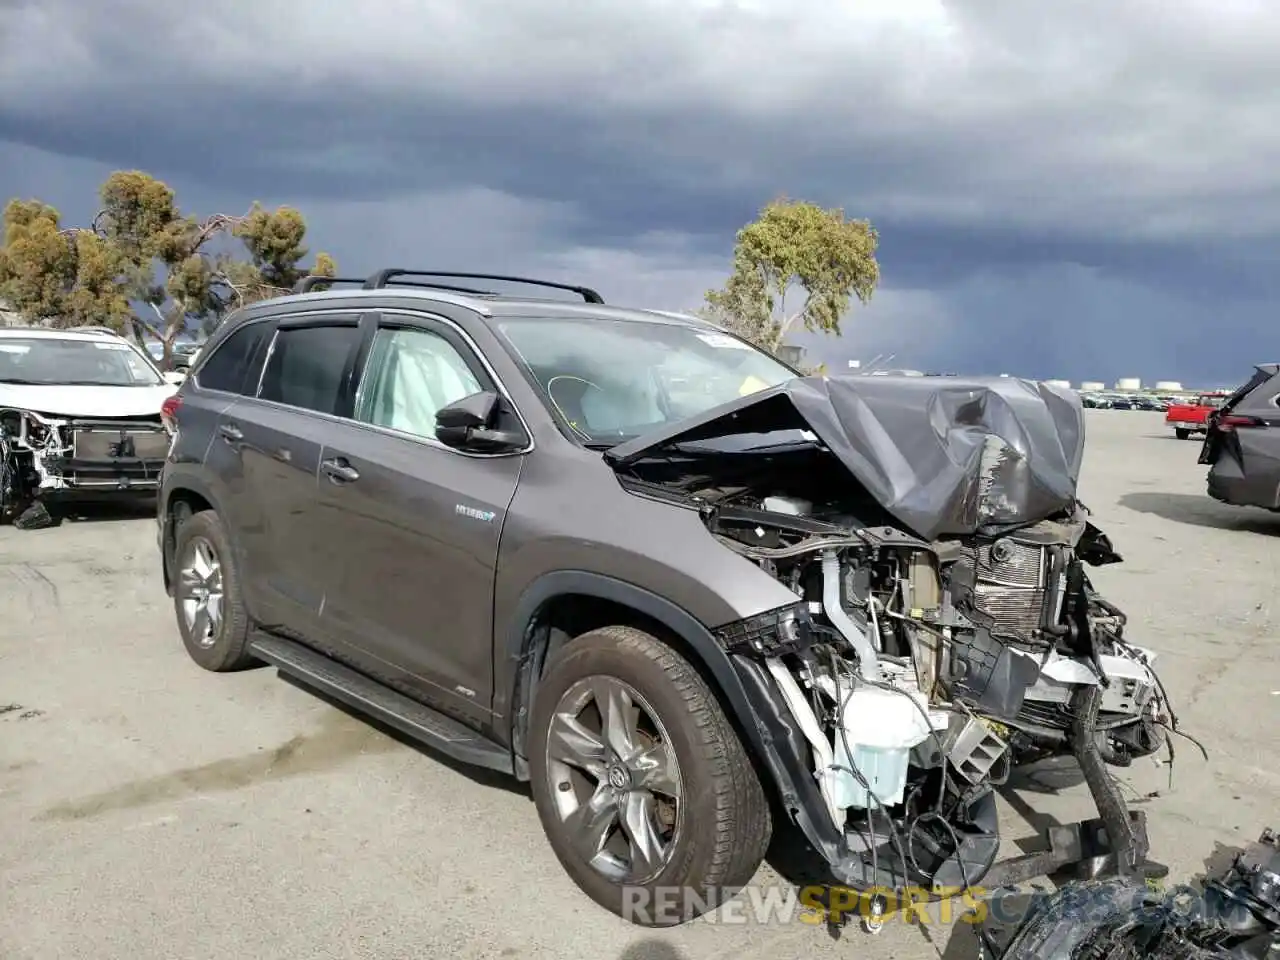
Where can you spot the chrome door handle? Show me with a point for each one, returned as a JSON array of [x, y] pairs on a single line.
[[230, 432], [339, 471]]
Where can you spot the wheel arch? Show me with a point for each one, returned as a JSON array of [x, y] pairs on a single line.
[[189, 492], [567, 603]]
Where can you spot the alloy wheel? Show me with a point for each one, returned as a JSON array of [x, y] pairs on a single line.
[[200, 591], [614, 779]]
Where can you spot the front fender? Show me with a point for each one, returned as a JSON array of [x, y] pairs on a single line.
[[744, 689], [513, 648]]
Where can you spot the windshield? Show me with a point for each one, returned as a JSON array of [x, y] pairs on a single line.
[[612, 380], [50, 361]]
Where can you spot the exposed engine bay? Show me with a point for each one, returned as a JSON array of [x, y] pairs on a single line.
[[44, 457], [982, 653], [922, 662]]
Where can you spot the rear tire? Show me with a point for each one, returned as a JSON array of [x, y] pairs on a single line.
[[1181, 434], [206, 595], [707, 818]]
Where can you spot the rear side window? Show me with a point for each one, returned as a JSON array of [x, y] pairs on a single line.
[[227, 365], [309, 365]]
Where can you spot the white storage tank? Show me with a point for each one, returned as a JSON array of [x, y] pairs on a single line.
[[1064, 384], [1092, 386], [880, 729], [1168, 386], [1129, 383]]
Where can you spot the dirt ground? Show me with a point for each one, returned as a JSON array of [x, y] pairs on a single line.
[[150, 809]]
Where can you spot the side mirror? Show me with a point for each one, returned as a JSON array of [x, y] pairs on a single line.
[[467, 424], [175, 377]]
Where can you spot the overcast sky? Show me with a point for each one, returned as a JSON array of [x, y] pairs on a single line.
[[1086, 189]]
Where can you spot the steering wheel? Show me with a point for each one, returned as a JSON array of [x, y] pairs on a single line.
[[571, 390]]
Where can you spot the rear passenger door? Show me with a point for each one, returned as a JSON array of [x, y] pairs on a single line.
[[418, 522], [271, 442]]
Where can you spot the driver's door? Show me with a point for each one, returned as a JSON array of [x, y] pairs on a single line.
[[416, 524]]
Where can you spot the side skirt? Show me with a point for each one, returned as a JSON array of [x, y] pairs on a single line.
[[371, 698]]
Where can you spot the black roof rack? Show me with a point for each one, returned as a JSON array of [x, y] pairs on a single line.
[[383, 277], [445, 286], [307, 284]]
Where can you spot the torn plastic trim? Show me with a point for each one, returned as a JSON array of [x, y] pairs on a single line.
[[785, 758], [812, 731]]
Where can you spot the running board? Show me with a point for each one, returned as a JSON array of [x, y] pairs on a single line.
[[379, 702]]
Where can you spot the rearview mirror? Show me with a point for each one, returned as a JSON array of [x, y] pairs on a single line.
[[467, 424]]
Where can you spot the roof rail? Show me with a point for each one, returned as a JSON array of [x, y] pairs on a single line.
[[384, 277], [307, 284]]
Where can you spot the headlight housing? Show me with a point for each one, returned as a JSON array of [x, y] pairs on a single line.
[[772, 633]]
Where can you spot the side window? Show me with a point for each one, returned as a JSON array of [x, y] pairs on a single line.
[[307, 366], [410, 375], [225, 368]]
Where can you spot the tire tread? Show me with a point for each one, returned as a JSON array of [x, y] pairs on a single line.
[[736, 814], [231, 651]]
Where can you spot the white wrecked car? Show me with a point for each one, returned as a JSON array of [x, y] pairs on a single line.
[[80, 418]]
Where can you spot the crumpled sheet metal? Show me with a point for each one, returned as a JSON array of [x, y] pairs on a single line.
[[951, 456], [946, 456]]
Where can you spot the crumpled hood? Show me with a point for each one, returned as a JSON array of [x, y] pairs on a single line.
[[944, 455], [81, 401]]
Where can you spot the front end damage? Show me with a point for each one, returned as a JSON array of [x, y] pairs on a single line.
[[46, 458], [1234, 915], [945, 628]]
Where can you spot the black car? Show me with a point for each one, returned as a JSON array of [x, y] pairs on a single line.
[[1242, 443]]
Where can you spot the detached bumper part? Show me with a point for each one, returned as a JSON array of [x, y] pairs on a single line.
[[50, 458]]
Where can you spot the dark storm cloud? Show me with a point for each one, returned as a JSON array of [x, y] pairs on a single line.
[[1061, 184]]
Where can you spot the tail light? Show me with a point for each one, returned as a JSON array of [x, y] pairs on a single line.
[[1231, 421], [169, 412]]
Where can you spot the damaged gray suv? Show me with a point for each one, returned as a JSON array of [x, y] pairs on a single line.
[[687, 594]]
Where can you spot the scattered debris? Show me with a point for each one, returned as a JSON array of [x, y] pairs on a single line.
[[36, 517], [24, 713]]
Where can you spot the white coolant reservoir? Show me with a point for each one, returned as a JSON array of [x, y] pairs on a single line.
[[880, 728]]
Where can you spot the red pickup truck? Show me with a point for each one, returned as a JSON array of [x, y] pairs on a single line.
[[1189, 418]]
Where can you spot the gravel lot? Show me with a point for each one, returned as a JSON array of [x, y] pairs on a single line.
[[150, 809]]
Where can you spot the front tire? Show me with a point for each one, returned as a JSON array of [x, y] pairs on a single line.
[[645, 792], [206, 595]]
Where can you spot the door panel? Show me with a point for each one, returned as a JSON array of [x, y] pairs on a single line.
[[415, 587], [274, 443], [419, 523], [269, 457]]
